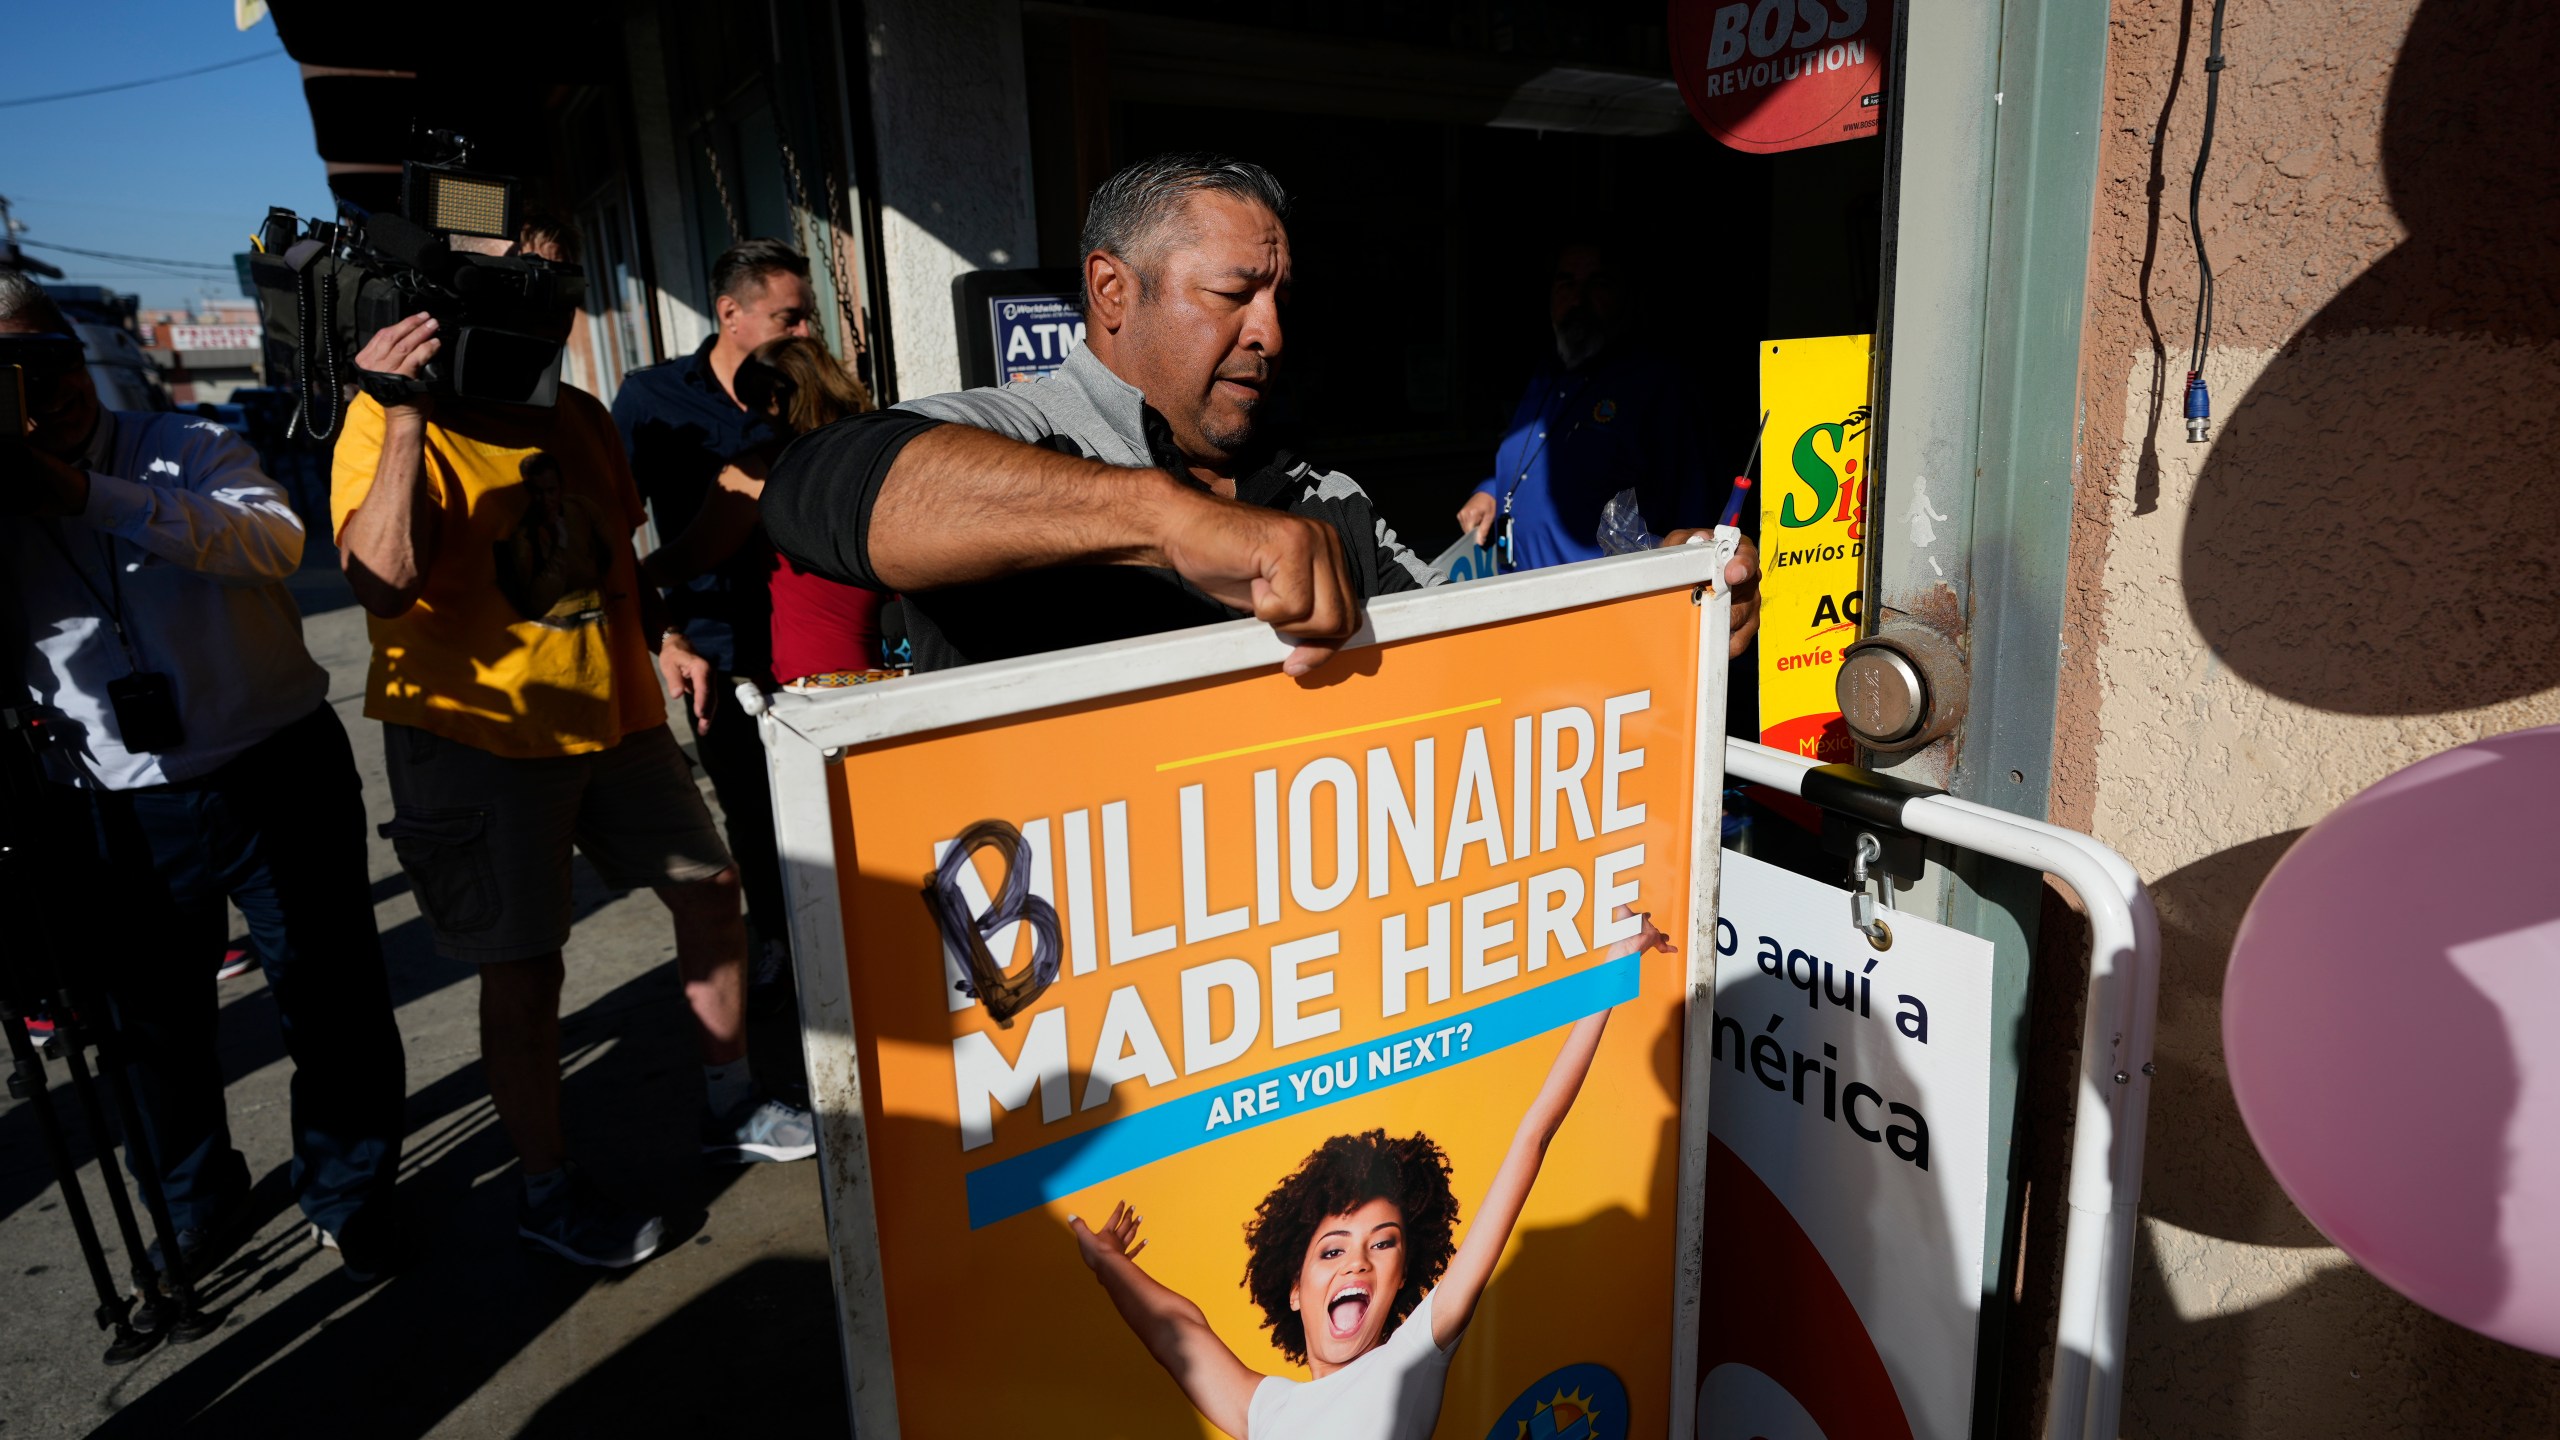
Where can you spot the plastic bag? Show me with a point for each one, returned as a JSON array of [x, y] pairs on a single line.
[[1622, 528]]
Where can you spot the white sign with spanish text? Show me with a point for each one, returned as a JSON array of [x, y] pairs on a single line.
[[1848, 1169]]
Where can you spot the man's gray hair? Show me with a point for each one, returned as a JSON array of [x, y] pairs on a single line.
[[23, 302], [1131, 211]]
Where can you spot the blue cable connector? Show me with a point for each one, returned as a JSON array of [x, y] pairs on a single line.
[[2199, 406]]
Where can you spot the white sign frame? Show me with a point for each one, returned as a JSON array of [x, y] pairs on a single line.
[[804, 736], [2103, 1194]]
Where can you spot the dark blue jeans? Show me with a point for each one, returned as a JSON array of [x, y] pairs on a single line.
[[280, 832]]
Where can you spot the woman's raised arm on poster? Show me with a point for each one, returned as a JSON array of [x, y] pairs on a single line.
[[1219, 1385], [1453, 1301]]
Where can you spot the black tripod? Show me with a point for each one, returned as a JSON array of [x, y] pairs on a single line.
[[36, 877]]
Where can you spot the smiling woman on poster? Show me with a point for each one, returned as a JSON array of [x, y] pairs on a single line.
[[1367, 1295]]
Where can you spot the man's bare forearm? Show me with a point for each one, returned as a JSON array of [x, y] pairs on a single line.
[[956, 505], [390, 539], [961, 504]]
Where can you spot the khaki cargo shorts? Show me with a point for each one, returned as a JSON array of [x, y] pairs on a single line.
[[485, 839]]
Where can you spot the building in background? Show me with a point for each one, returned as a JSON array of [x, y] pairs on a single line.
[[2193, 650], [205, 352]]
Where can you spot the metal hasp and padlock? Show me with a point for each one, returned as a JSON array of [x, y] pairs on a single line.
[[1862, 822], [1901, 687], [1862, 906]]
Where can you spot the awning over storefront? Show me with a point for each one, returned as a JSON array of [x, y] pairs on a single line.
[[374, 78]]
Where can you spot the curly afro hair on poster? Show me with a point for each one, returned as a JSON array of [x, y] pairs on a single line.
[[1345, 1173]]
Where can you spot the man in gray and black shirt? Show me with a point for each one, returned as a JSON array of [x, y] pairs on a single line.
[[1127, 494]]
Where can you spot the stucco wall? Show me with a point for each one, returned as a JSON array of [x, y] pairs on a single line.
[[953, 124], [2360, 569]]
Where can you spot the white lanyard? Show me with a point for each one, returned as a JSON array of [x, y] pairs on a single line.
[[1544, 424]]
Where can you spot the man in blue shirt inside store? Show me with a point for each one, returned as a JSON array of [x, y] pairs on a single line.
[[1608, 414]]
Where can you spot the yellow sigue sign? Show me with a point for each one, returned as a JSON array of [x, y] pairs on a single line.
[[1282, 916], [1812, 535]]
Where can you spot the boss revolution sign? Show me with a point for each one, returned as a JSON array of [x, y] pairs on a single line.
[[1242, 1055], [1769, 75]]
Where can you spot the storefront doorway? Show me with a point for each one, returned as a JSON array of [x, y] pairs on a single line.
[[1435, 177]]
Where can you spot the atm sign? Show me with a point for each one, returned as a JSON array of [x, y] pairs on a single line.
[[1034, 334]]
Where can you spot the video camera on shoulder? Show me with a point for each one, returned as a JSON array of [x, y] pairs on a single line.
[[325, 287]]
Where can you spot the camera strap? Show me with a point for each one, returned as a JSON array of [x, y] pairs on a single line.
[[312, 390], [389, 390], [111, 600]]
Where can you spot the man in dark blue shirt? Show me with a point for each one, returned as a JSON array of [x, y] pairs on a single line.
[[1608, 415], [683, 426]]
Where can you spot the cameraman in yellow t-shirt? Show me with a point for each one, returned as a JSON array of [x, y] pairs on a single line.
[[511, 672]]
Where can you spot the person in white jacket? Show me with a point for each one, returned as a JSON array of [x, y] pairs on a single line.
[[1353, 1266], [145, 558]]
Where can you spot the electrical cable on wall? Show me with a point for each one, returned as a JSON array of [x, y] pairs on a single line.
[[2199, 401]]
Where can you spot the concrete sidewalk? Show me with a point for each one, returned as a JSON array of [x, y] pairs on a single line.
[[733, 1322]]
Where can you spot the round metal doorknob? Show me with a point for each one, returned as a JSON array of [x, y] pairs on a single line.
[[1901, 687], [1881, 695]]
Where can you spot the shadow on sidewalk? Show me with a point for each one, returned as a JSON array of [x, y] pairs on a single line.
[[251, 1040], [401, 1359], [754, 1326]]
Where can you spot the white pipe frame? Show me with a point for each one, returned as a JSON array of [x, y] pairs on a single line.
[[2105, 1186]]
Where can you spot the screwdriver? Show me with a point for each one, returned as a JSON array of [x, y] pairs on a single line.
[[1742, 482]]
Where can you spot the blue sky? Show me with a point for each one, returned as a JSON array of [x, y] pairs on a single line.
[[181, 171]]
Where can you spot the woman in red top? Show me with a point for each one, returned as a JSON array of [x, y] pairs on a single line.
[[821, 629]]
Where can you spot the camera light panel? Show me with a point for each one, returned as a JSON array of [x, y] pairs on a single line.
[[458, 202]]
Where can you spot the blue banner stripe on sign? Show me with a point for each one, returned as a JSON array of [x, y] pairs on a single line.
[[1032, 1179]]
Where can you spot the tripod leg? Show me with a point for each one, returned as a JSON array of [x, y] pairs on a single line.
[[190, 1322], [144, 1277], [113, 1308], [172, 1279]]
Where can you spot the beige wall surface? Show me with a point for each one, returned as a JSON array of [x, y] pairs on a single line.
[[948, 104], [2359, 569]]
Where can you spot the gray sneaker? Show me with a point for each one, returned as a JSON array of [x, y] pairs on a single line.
[[580, 1225], [763, 1130]]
